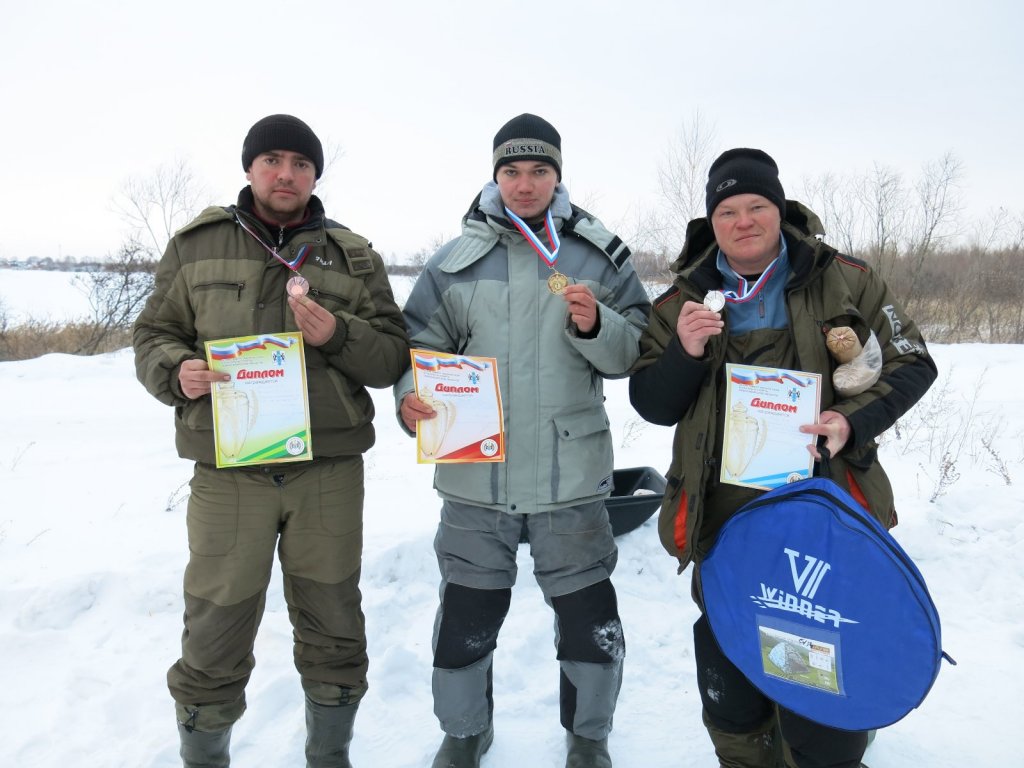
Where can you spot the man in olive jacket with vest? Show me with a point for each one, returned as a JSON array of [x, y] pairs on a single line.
[[548, 292], [270, 264], [782, 289]]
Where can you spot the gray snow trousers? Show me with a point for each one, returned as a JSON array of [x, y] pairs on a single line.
[[574, 555]]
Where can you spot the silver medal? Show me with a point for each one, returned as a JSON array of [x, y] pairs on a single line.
[[715, 301]]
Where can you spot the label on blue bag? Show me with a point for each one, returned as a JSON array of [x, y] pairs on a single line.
[[799, 655]]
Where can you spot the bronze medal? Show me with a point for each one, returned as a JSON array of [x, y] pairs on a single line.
[[297, 286], [557, 282]]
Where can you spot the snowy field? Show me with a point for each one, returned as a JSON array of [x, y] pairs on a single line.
[[92, 547]]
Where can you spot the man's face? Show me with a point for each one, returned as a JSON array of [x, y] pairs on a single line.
[[747, 229], [282, 183], [527, 187]]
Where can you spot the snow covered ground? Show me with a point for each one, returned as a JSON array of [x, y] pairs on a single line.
[[92, 547]]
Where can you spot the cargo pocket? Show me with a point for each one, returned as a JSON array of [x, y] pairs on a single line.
[[341, 496], [582, 464], [212, 516]]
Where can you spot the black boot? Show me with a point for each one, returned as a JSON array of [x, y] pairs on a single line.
[[463, 753], [204, 749], [586, 753], [328, 734]]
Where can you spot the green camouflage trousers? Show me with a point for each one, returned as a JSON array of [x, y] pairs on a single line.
[[312, 515]]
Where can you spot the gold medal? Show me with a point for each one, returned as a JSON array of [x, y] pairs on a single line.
[[297, 286], [557, 282]]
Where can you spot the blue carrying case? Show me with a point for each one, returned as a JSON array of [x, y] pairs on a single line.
[[821, 609]]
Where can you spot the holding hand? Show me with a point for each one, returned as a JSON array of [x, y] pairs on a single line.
[[836, 429], [196, 379], [694, 325], [413, 410], [582, 306], [315, 322]]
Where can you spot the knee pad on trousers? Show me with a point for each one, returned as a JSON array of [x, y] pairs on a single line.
[[470, 621], [589, 628], [731, 702]]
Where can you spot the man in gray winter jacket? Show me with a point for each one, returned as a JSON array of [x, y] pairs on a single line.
[[547, 291]]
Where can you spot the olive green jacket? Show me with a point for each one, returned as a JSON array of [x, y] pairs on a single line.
[[216, 281], [825, 289]]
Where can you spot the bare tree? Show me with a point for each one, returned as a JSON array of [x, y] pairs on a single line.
[[117, 293], [938, 205], [682, 176], [883, 196], [333, 152], [832, 197], [938, 195], [1001, 228], [155, 206]]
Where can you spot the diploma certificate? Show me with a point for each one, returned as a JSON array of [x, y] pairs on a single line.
[[261, 416], [464, 393], [762, 445]]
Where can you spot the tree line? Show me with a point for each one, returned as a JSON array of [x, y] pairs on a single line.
[[960, 283]]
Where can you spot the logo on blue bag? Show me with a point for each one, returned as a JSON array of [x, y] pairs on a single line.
[[807, 578]]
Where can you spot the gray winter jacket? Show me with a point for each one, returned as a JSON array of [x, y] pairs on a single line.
[[485, 293]]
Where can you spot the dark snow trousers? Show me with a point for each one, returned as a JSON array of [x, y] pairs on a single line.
[[312, 516], [742, 721], [574, 554]]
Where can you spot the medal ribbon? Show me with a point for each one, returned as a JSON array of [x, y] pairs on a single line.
[[548, 257], [294, 264], [746, 290]]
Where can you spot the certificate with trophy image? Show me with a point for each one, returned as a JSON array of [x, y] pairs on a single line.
[[464, 393], [261, 416], [762, 444]]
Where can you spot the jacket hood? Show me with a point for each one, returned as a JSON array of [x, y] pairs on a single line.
[[485, 222]]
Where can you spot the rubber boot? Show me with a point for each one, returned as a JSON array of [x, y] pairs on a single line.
[[743, 750], [204, 749], [463, 753], [586, 753], [328, 734]]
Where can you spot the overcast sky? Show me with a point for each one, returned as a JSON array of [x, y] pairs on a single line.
[[413, 92]]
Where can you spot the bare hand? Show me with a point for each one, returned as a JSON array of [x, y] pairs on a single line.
[[836, 429], [315, 322], [582, 306], [694, 325], [413, 409], [196, 379]]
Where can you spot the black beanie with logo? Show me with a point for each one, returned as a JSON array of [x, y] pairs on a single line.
[[744, 171], [282, 132], [527, 137]]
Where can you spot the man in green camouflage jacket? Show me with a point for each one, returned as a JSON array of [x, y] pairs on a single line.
[[223, 276], [781, 289]]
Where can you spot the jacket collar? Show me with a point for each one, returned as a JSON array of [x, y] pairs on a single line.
[[485, 222], [314, 218], [801, 228]]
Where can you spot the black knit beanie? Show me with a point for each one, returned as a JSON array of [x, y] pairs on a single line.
[[744, 172], [282, 132], [527, 137]]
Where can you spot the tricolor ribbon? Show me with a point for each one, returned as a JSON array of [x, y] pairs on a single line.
[[292, 264], [548, 257], [435, 364], [238, 349], [759, 377], [746, 290]]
